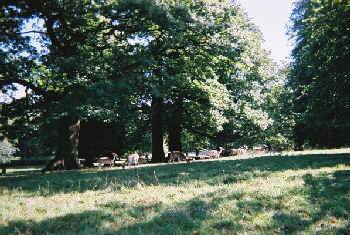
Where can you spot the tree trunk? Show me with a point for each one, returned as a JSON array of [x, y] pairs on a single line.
[[70, 159], [299, 136], [67, 149], [68, 142], [100, 139], [3, 169], [175, 128], [157, 132]]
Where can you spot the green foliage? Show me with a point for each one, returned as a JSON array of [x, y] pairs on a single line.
[[191, 142], [7, 151], [104, 61], [279, 105], [321, 72]]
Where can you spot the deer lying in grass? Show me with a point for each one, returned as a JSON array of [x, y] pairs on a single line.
[[144, 159], [54, 164], [210, 153], [177, 156], [260, 149], [106, 160], [243, 150]]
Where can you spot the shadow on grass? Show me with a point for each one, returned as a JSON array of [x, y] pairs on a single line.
[[87, 222], [221, 212], [330, 193], [212, 173], [327, 210], [183, 218]]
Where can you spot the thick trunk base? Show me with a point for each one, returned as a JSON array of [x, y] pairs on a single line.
[[157, 132], [67, 149], [174, 126]]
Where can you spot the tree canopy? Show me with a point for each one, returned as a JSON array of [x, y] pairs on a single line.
[[191, 74], [320, 78]]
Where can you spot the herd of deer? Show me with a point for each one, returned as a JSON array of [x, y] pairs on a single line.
[[178, 156], [173, 156]]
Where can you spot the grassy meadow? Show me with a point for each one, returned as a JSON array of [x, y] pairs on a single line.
[[291, 193]]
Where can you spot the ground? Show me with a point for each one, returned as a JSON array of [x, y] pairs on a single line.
[[292, 193]]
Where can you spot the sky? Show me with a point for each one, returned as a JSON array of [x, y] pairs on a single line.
[[272, 18]]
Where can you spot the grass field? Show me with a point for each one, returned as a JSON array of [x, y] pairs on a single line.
[[295, 193]]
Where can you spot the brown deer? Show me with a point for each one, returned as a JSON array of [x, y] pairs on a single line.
[[54, 164], [177, 156], [210, 153]]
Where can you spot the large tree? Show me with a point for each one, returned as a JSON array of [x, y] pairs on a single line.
[[135, 65], [42, 44], [321, 72]]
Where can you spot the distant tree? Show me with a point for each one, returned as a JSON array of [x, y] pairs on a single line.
[[250, 75], [321, 72], [279, 106]]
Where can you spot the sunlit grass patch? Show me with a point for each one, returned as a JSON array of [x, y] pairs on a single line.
[[264, 195]]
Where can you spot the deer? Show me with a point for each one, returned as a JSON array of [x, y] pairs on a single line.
[[133, 159], [54, 164], [177, 156]]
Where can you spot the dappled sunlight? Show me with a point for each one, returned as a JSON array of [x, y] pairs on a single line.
[[204, 172], [172, 117], [265, 195]]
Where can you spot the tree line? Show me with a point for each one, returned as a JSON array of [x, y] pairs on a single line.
[[130, 75]]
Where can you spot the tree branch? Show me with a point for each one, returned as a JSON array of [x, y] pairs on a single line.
[[5, 82], [48, 95], [34, 31]]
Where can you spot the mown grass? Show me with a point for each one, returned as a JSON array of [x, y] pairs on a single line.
[[286, 194]]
